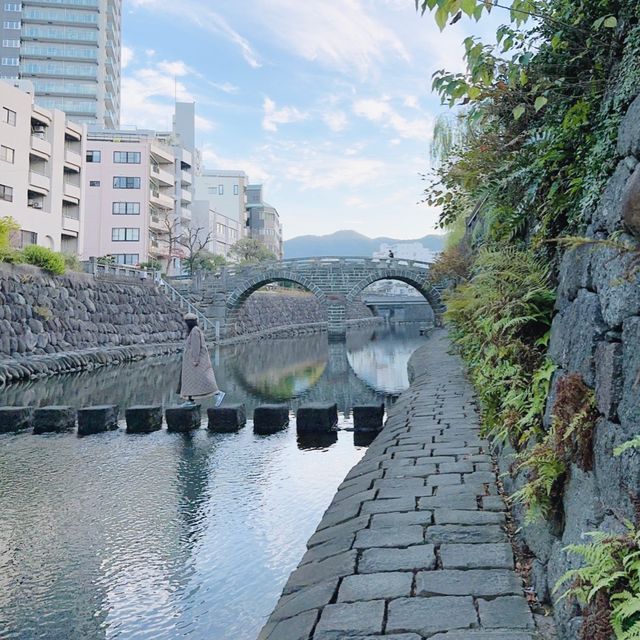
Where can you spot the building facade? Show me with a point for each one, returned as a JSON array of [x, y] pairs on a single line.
[[70, 50], [41, 172], [264, 221]]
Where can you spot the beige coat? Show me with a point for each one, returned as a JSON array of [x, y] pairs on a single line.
[[197, 377]]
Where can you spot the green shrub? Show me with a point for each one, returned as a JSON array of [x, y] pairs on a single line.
[[7, 226], [45, 258], [71, 262]]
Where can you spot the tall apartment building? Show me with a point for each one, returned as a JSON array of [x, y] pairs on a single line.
[[41, 169], [70, 50], [133, 211], [264, 221]]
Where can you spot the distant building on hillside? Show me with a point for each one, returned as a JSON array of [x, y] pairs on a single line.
[[406, 251]]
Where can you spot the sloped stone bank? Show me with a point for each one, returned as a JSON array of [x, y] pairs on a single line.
[[413, 545]]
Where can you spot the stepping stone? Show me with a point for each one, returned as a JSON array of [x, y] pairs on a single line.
[[317, 418], [269, 418], [97, 419], [227, 419], [143, 418], [183, 419], [368, 417], [15, 418], [54, 419]]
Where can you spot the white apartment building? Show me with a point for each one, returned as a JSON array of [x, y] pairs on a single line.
[[223, 232], [70, 50], [264, 221], [41, 181], [133, 213]]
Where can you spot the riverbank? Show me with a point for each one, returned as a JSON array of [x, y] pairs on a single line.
[[414, 541]]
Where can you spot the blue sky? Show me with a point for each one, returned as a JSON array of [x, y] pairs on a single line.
[[327, 103]]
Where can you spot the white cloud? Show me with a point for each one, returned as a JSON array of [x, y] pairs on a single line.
[[355, 201], [335, 120], [126, 56], [411, 102], [341, 34], [382, 112], [213, 160], [274, 116]]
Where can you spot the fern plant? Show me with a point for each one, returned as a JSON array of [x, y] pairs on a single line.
[[611, 568]]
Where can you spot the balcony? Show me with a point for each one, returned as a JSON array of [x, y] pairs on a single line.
[[161, 200], [71, 192], [163, 155], [41, 146], [186, 177], [39, 182], [161, 175], [185, 196], [157, 222], [185, 214], [72, 159], [70, 226]]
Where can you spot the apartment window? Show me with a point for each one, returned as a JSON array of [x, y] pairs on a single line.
[[7, 154], [94, 183], [6, 193], [11, 24], [8, 116], [126, 157], [235, 189], [11, 62], [12, 6], [125, 234], [126, 258], [93, 156], [220, 189], [11, 44], [27, 238], [124, 182], [126, 209], [220, 229]]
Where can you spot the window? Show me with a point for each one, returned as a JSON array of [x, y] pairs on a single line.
[[8, 116], [7, 154], [125, 234], [93, 156], [12, 6], [13, 44], [6, 193], [11, 62], [28, 237], [220, 189], [235, 189], [126, 258], [220, 229], [126, 209], [11, 24], [94, 183], [123, 182], [126, 157]]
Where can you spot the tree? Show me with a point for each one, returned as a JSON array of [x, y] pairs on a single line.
[[249, 250], [194, 242]]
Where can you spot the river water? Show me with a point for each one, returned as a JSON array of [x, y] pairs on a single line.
[[169, 536]]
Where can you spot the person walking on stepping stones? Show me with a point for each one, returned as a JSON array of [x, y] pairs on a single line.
[[197, 379]]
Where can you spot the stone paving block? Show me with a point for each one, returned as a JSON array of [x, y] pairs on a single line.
[[387, 636], [183, 418], [15, 418], [395, 483], [269, 418], [314, 597], [319, 417], [464, 501], [362, 479], [504, 634], [442, 479], [477, 556], [386, 506], [416, 470], [389, 537], [493, 503], [506, 612], [297, 628], [375, 586], [226, 419], [327, 549], [436, 460], [358, 617], [429, 615], [454, 490], [473, 582], [480, 477], [352, 490], [143, 418], [420, 556], [399, 492], [455, 451], [355, 498], [457, 516], [54, 419], [338, 514], [386, 520], [97, 419], [467, 534], [363, 467], [330, 533], [463, 466], [338, 566]]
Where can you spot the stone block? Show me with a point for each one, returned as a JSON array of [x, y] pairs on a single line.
[[368, 417], [430, 615], [15, 418], [631, 204], [608, 214], [389, 537], [356, 617], [450, 533], [184, 418], [97, 419], [227, 419], [143, 418], [629, 407], [493, 634], [54, 419], [575, 274], [477, 556], [269, 418], [608, 378], [296, 628], [317, 418], [472, 582], [314, 597], [420, 556], [458, 516], [375, 586], [629, 131]]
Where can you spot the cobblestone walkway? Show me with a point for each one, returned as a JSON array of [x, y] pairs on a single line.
[[412, 545]]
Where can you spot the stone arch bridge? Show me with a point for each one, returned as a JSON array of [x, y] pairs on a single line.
[[334, 281]]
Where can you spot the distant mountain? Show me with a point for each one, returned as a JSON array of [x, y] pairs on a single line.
[[348, 243]]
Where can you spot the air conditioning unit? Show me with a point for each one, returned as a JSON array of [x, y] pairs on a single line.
[[38, 128], [35, 204]]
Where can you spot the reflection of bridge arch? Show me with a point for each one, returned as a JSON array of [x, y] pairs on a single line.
[[334, 281]]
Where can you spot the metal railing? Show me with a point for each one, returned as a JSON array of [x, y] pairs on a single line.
[[99, 268], [175, 296]]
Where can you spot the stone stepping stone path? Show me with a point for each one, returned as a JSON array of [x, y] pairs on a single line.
[[413, 545]]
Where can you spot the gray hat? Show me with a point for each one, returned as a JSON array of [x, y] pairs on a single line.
[[189, 316]]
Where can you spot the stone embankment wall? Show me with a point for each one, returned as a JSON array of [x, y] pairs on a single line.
[[596, 334], [91, 321]]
